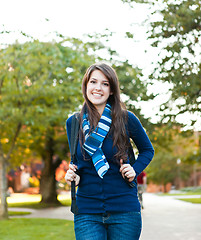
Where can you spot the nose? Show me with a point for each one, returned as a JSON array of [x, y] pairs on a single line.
[[98, 86]]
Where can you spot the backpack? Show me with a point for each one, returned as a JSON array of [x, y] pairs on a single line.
[[73, 146]]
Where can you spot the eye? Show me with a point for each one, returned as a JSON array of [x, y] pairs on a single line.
[[92, 81], [106, 84]]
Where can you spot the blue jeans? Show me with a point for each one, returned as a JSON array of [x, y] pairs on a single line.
[[110, 226]]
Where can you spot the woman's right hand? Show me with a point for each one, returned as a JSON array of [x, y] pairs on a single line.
[[71, 175]]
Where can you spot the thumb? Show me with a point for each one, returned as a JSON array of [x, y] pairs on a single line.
[[121, 162]]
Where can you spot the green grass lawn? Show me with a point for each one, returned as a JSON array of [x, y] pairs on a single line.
[[36, 229], [192, 200], [15, 213], [184, 192], [189, 191], [179, 194], [33, 201], [38, 205]]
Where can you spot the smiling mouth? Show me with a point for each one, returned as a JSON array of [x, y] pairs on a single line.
[[97, 94]]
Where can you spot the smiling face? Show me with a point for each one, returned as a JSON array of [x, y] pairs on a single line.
[[98, 90]]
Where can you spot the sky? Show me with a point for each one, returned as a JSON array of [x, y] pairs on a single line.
[[74, 18], [78, 17]]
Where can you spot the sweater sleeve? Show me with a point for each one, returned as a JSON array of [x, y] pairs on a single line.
[[142, 142]]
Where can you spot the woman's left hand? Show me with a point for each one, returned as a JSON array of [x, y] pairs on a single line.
[[127, 171]]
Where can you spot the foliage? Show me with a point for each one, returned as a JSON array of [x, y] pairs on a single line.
[[44, 80], [38, 228], [134, 89], [41, 80], [175, 28], [171, 144], [40, 85]]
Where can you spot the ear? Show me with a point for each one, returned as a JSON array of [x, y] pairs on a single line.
[[111, 93]]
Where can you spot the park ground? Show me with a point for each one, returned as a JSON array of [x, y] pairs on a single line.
[[164, 217]]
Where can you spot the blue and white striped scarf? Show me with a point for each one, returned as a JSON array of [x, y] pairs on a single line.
[[94, 140]]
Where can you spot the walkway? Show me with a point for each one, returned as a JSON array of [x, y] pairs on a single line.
[[164, 218]]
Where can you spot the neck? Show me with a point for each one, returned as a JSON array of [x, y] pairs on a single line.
[[100, 109]]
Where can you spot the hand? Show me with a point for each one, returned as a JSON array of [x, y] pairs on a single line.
[[71, 175], [127, 171]]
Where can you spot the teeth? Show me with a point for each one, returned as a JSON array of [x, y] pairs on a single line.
[[96, 94]]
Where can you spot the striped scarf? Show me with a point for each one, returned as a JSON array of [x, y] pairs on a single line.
[[94, 140]]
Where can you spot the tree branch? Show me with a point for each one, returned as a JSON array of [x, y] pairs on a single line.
[[14, 140], [1, 85]]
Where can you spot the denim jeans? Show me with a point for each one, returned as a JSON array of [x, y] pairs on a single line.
[[110, 226]]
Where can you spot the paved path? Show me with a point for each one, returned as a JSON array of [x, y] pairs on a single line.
[[164, 218], [58, 212]]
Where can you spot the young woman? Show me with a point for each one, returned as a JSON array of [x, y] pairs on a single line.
[[108, 205]]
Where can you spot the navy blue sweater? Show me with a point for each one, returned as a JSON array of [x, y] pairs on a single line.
[[112, 193]]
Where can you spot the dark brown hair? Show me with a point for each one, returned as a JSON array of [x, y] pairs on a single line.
[[119, 114]]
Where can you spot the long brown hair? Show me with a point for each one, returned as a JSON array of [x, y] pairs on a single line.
[[119, 114]]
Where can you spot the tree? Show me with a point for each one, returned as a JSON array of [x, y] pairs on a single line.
[[39, 87], [134, 89], [174, 27], [172, 150], [177, 33]]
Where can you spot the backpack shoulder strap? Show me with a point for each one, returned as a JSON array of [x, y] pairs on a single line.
[[132, 160], [74, 135], [73, 146], [131, 155]]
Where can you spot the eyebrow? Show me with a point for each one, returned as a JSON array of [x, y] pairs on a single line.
[[105, 80]]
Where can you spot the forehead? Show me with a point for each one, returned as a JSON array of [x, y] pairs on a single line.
[[97, 74]]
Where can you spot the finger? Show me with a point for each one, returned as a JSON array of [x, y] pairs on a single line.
[[69, 175], [130, 179], [70, 172], [125, 168], [121, 162], [71, 178], [129, 175], [123, 175], [123, 171], [75, 166], [72, 167], [128, 172]]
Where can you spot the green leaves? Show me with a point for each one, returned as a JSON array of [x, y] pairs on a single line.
[[37, 91], [41, 86], [181, 28], [171, 144], [176, 30]]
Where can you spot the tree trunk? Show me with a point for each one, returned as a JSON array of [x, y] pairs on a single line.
[[48, 181], [3, 189], [3, 178]]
